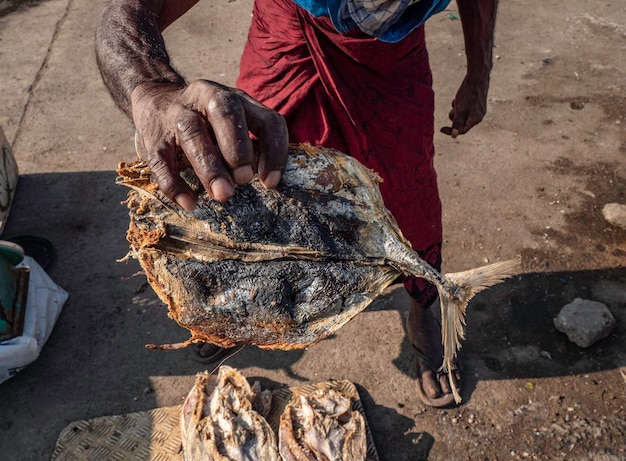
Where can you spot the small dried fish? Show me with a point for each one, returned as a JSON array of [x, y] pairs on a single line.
[[227, 423], [320, 426], [284, 268]]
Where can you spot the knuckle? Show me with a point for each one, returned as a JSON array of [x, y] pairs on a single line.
[[157, 164], [160, 171], [199, 86], [225, 103], [188, 125]]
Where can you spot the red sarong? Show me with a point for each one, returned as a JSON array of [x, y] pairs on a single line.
[[369, 99]]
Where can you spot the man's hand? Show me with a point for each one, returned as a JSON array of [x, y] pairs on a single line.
[[207, 125], [204, 124], [468, 107]]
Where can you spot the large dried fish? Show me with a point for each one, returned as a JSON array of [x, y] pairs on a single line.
[[227, 422], [284, 268], [322, 426]]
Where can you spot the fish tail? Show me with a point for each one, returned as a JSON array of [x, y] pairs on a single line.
[[455, 294]]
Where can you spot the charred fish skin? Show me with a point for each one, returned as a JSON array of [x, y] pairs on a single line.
[[318, 211], [315, 236], [222, 424], [283, 304], [325, 228]]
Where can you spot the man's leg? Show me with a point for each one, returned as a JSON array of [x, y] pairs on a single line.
[[424, 333], [315, 77]]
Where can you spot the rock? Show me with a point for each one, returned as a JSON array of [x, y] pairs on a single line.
[[615, 213], [585, 322]]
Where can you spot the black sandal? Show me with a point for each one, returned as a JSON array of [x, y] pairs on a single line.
[[208, 353]]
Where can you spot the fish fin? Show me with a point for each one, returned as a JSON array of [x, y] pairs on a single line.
[[455, 295], [170, 347]]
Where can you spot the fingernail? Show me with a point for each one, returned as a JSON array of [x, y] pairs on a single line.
[[243, 175], [186, 201], [222, 189], [272, 179]]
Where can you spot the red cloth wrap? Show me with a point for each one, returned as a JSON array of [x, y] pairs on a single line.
[[369, 99]]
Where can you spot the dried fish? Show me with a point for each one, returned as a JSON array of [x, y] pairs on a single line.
[[284, 268], [223, 423], [322, 426]]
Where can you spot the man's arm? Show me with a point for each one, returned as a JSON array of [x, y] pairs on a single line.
[[478, 18], [207, 122], [130, 48]]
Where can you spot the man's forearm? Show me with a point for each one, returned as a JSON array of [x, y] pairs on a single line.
[[479, 19], [130, 48]]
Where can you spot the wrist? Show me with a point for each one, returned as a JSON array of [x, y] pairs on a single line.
[[151, 97], [152, 86], [478, 78], [478, 69]]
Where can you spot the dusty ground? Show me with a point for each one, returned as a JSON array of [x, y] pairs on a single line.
[[531, 180]]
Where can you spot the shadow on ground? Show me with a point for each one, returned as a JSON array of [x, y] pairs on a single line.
[[510, 332], [95, 362]]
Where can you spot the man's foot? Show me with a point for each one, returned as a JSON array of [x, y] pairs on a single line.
[[424, 332], [207, 352]]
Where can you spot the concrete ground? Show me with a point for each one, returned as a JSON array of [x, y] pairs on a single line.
[[531, 180]]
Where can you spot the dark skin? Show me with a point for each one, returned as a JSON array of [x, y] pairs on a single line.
[[208, 124]]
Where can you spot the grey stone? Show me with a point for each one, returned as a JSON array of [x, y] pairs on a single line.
[[615, 213], [585, 322]]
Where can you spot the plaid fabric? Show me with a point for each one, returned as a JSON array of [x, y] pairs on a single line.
[[373, 17], [386, 20]]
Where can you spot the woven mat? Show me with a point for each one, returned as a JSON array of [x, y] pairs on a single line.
[[143, 436], [155, 435]]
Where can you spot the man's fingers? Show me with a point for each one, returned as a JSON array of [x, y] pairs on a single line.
[[233, 115], [162, 164], [200, 150], [446, 130], [211, 124], [451, 131], [461, 123], [225, 115], [273, 139]]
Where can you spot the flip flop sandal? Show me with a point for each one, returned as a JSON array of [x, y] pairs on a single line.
[[443, 401], [208, 353], [40, 249]]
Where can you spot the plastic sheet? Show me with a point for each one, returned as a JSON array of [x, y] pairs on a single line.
[[44, 304]]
